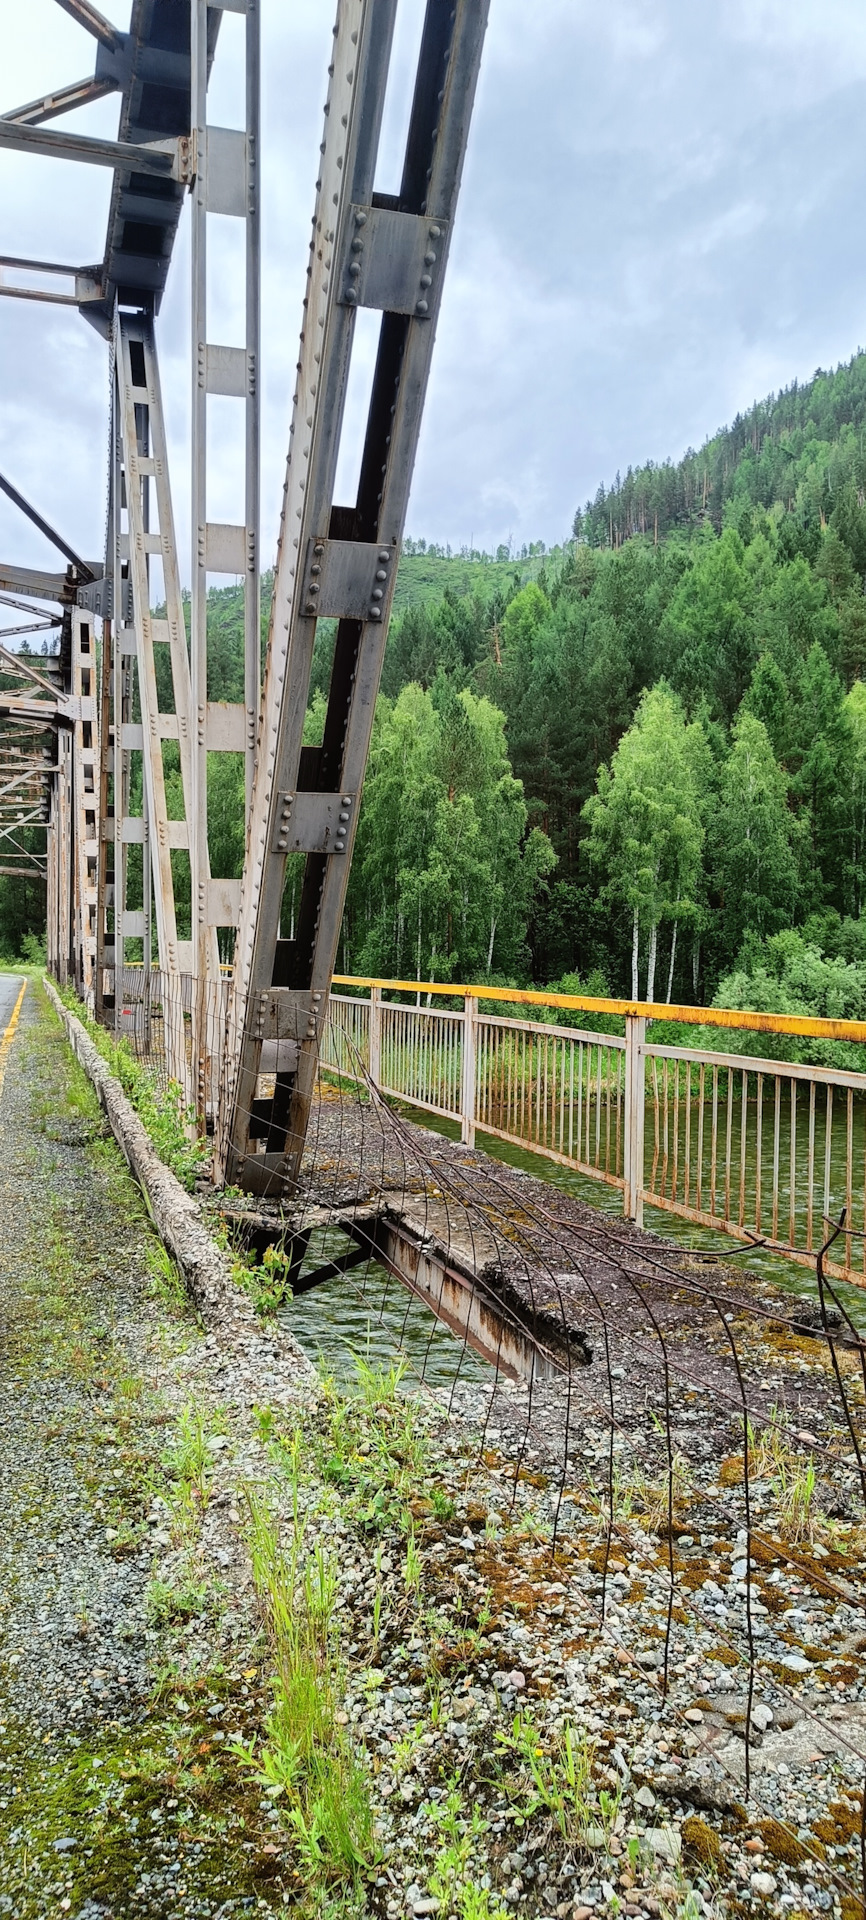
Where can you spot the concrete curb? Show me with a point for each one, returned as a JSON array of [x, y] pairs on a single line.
[[176, 1215]]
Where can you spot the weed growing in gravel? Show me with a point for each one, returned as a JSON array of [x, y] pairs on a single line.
[[775, 1457], [554, 1776], [655, 1500], [412, 1568], [123, 1191], [306, 1759], [188, 1462], [559, 1777], [272, 1277], [165, 1277], [794, 1487], [166, 1602], [452, 1882], [374, 1448], [78, 1102], [267, 1281], [162, 1109]]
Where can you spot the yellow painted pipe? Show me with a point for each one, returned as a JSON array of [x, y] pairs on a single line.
[[786, 1023]]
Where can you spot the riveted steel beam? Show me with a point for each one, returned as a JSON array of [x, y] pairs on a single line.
[[390, 255], [63, 100], [50, 532], [164, 159], [93, 22]]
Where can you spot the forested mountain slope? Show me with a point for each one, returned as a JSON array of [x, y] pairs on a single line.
[[641, 758], [800, 446]]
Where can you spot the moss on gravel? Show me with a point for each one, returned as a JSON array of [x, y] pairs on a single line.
[[110, 1804]]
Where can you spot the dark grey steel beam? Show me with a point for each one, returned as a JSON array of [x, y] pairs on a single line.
[[87, 281], [93, 22], [63, 100], [88, 294], [21, 606], [56, 539], [47, 266], [167, 161], [389, 254], [35, 626], [43, 586]]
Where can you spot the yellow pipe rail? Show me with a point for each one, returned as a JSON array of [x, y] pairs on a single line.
[[785, 1023]]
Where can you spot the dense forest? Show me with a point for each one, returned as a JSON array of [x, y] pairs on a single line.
[[638, 760]]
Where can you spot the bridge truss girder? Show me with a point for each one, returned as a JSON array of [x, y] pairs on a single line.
[[388, 254], [119, 702]]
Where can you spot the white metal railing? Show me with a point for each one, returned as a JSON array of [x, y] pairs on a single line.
[[759, 1149], [156, 1016]]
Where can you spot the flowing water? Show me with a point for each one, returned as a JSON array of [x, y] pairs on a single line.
[[368, 1315]]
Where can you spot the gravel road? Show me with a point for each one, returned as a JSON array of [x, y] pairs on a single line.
[[125, 1634]]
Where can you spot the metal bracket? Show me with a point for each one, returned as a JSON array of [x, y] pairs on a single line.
[[346, 579], [98, 598], [284, 1014], [313, 822], [393, 261]]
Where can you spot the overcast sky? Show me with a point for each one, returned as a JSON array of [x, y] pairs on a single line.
[[661, 220]]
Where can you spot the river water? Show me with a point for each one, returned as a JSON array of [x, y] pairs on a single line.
[[679, 1233], [368, 1314]]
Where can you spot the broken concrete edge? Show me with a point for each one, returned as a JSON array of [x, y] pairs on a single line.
[[176, 1215]]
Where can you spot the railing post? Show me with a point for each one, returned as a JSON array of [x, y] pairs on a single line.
[[467, 1078], [375, 1062], [635, 1096]]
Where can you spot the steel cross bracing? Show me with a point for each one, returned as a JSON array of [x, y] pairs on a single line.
[[152, 161], [40, 707], [389, 254], [73, 833], [144, 695], [142, 529]]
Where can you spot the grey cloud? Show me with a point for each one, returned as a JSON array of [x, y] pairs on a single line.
[[660, 221]]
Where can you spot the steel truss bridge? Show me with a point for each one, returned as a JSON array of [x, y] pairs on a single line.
[[82, 733]]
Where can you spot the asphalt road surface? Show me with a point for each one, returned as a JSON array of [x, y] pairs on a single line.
[[10, 987]]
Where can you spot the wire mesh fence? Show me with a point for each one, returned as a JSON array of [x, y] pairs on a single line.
[[176, 1027], [663, 1464], [660, 1464], [761, 1149]]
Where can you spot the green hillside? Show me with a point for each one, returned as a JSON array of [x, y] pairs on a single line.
[[426, 572], [796, 448], [639, 759]]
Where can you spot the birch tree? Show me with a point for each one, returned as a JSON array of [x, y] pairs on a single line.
[[646, 833]]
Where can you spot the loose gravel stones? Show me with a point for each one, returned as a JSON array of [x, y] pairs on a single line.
[[126, 1627]]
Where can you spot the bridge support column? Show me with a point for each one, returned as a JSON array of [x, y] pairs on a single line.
[[387, 253]]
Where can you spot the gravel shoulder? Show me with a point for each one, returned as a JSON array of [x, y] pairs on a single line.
[[129, 1636]]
